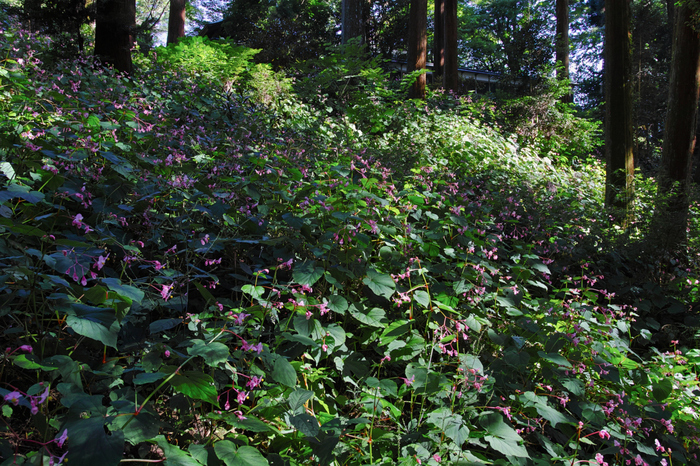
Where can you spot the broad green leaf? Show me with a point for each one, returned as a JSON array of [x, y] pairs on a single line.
[[298, 397], [550, 414], [555, 358], [95, 331], [306, 424], [213, 353], [162, 325], [90, 444], [307, 273], [394, 330], [662, 389], [173, 455], [575, 386], [126, 291], [422, 297], [494, 425], [29, 361], [241, 456], [254, 291], [195, 385], [381, 284], [375, 317], [337, 304], [507, 447], [283, 372]]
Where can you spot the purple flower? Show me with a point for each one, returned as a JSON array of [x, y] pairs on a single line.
[[26, 348], [13, 397], [62, 439]]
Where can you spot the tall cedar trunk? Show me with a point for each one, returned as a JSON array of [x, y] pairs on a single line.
[[439, 38], [176, 22], [353, 26], [679, 135], [418, 45], [114, 38], [562, 44], [619, 187], [451, 61]]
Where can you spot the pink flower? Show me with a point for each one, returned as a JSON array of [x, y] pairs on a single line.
[[600, 460], [254, 382], [410, 381], [165, 292], [100, 262], [437, 457], [78, 220], [13, 397], [26, 348], [62, 439]]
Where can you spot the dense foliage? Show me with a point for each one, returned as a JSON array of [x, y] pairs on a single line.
[[336, 277]]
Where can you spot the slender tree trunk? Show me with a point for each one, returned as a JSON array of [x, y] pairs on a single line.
[[114, 26], [418, 45], [353, 26], [619, 189], [451, 60], [439, 38], [679, 134], [176, 21], [562, 45]]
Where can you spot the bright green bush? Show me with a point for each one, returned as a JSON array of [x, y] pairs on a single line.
[[219, 61]]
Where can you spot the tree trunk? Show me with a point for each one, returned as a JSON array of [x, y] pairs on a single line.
[[451, 60], [114, 24], [679, 135], [176, 21], [439, 38], [418, 45], [562, 45], [353, 26], [619, 188]]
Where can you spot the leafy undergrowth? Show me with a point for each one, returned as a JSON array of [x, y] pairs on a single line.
[[191, 278]]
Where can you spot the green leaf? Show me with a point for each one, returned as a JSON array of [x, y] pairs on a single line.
[[305, 423], [307, 273], [213, 353], [95, 331], [195, 385], [91, 444], [506, 447], [298, 398], [555, 358], [375, 317], [662, 390], [337, 304], [575, 386], [173, 455], [550, 414], [243, 456], [29, 361], [126, 291], [381, 284], [494, 425], [283, 372], [254, 291], [422, 297]]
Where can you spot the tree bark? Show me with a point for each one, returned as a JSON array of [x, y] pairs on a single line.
[[679, 135], [114, 38], [353, 26], [176, 21], [619, 188], [562, 45], [418, 45], [451, 56], [439, 38]]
